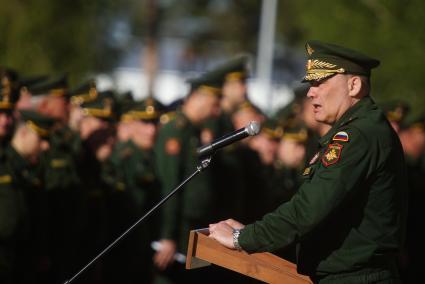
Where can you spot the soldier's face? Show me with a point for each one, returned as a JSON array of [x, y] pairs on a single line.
[[90, 124], [330, 98], [33, 145], [210, 106], [143, 134], [6, 124]]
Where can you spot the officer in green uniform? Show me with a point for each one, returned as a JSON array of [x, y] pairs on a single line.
[[12, 203], [29, 140], [97, 133], [134, 188], [235, 93], [348, 216], [176, 160], [58, 167], [9, 95], [289, 163], [412, 137], [396, 112]]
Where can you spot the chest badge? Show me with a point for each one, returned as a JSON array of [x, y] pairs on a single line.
[[341, 136], [332, 154], [172, 146], [307, 171]]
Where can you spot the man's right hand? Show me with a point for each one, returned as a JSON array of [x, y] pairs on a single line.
[[165, 256]]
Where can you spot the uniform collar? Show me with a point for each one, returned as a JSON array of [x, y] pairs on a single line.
[[350, 115]]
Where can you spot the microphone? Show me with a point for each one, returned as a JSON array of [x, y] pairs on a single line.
[[253, 128]]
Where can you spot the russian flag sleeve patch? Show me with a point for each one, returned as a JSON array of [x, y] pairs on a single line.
[[341, 136]]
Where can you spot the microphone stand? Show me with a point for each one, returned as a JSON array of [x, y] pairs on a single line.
[[205, 162]]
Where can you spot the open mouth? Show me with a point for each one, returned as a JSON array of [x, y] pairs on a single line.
[[316, 107]]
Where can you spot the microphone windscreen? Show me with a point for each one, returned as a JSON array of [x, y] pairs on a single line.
[[253, 128]]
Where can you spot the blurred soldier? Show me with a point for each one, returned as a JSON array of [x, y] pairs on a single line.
[[12, 203], [267, 141], [98, 137], [9, 95], [287, 178], [29, 140], [235, 93], [86, 92], [396, 112], [134, 189], [58, 168], [176, 159], [291, 155], [25, 98], [238, 175], [413, 140]]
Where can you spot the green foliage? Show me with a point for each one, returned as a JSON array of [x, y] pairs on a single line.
[[390, 30], [47, 36]]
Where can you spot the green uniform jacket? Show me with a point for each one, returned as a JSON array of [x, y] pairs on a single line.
[[176, 160], [13, 210], [349, 213]]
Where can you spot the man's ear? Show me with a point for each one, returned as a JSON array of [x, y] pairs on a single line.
[[354, 86]]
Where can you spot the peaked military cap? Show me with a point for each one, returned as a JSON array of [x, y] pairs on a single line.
[[296, 132], [326, 60], [9, 89], [56, 86], [103, 106], [32, 81], [248, 105], [146, 110], [417, 122], [234, 69], [396, 111], [86, 92], [38, 122], [272, 129], [211, 81]]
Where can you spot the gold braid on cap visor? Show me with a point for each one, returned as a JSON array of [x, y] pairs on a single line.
[[37, 129], [316, 70], [57, 92], [212, 90], [85, 98], [150, 113]]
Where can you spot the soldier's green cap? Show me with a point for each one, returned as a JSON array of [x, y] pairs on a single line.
[[56, 86], [86, 92], [296, 132], [234, 69], [103, 106], [211, 81], [248, 105], [145, 110], [272, 129], [39, 123], [326, 60], [416, 122], [396, 111], [9, 89], [28, 82]]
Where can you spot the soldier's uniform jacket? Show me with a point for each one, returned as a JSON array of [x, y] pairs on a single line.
[[13, 210], [176, 160], [349, 212]]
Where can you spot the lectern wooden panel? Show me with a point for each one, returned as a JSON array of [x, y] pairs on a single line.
[[267, 267]]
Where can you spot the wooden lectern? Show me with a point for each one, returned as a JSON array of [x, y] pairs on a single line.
[[267, 267]]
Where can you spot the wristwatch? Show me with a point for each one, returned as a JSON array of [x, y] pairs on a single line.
[[236, 233]]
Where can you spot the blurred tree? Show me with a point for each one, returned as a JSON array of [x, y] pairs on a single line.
[[47, 36], [391, 30]]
